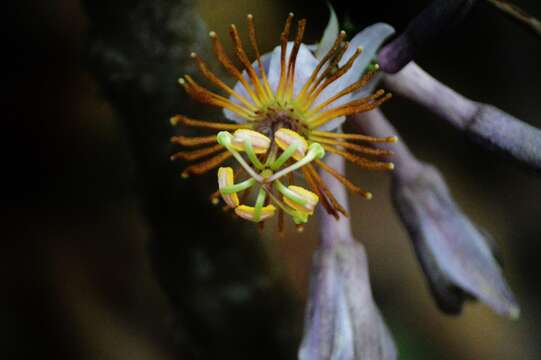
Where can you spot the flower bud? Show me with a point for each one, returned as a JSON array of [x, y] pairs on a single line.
[[260, 143], [226, 178], [286, 137], [455, 256]]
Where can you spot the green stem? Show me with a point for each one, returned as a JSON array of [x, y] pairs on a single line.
[[315, 151], [237, 187], [259, 204], [298, 218], [251, 154], [293, 196], [285, 156], [224, 138]]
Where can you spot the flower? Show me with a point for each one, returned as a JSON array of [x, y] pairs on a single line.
[[286, 107]]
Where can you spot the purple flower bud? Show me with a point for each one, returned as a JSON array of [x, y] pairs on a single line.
[[455, 256], [425, 27], [342, 321], [490, 126]]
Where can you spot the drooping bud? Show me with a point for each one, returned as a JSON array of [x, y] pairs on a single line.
[[260, 143], [309, 199], [285, 138], [226, 178], [249, 212]]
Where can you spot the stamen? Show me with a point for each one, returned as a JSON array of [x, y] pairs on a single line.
[[290, 80], [205, 96], [227, 179], [285, 138], [248, 212], [224, 138], [326, 73], [298, 217], [280, 222], [204, 69], [315, 187], [253, 40], [353, 87], [358, 148], [203, 167], [223, 59], [313, 95], [359, 161], [348, 184], [357, 137], [284, 36], [310, 199], [243, 58], [205, 124], [330, 53], [196, 154], [193, 141], [215, 197], [335, 204], [354, 107], [259, 142]]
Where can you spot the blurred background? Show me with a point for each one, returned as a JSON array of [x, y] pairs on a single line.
[[86, 271]]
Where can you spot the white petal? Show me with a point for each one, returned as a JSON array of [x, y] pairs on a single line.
[[370, 39], [333, 124], [329, 36]]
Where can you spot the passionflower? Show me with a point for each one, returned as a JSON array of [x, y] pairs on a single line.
[[286, 109]]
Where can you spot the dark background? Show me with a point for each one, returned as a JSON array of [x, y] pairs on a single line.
[[78, 276]]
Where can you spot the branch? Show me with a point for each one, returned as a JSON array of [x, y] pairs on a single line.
[[518, 15], [485, 123]]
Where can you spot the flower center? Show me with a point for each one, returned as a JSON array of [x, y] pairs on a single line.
[[277, 117]]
